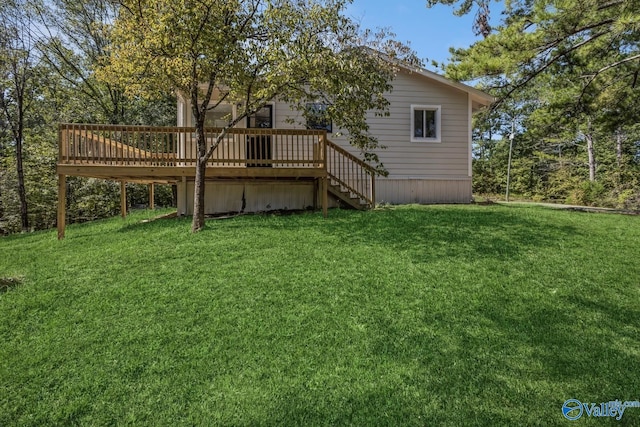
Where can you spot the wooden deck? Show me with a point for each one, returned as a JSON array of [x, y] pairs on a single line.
[[167, 155]]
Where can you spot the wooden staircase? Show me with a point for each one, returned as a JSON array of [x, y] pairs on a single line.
[[348, 198], [351, 180]]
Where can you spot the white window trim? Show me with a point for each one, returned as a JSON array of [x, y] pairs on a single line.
[[438, 110]]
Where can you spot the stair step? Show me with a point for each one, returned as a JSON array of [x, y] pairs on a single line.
[[347, 197]]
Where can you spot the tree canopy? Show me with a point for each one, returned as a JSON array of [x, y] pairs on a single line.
[[595, 40], [48, 54], [566, 75]]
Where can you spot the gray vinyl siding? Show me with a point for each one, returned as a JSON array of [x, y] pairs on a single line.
[[403, 158], [423, 191]]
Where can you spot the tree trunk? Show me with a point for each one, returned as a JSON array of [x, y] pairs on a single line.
[[198, 191], [592, 157], [198, 197], [1, 204], [22, 192]]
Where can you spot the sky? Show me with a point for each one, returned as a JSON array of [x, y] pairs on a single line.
[[430, 32]]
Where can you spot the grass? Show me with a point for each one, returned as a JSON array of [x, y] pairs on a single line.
[[441, 315]]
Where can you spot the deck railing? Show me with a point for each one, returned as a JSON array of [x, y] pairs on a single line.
[[115, 145], [176, 146], [351, 173]]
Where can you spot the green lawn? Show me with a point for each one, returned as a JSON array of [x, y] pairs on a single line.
[[441, 315]]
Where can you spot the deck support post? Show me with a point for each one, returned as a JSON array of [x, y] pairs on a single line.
[[316, 193], [123, 199], [325, 196], [152, 196], [62, 205], [373, 190], [325, 176], [182, 204]]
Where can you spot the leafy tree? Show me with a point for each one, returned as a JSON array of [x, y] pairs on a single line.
[[250, 52], [75, 37], [48, 52], [18, 74], [46, 102], [573, 66], [537, 34]]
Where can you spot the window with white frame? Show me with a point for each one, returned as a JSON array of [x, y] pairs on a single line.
[[425, 123]]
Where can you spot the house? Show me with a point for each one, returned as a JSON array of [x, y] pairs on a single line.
[[277, 159], [427, 138]]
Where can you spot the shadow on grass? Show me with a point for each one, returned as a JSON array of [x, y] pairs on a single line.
[[452, 233], [437, 232], [8, 283], [423, 232], [101, 226], [144, 225]]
